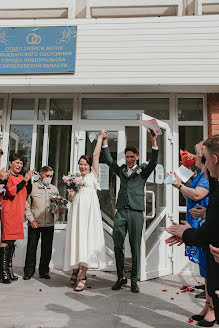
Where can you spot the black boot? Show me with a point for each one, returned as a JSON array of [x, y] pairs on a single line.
[[10, 257], [4, 273]]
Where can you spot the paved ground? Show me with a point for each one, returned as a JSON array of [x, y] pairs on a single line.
[[52, 303]]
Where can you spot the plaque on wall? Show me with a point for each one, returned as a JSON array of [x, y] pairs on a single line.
[[37, 50], [104, 176]]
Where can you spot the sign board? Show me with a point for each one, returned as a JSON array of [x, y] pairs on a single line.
[[34, 50], [151, 176], [104, 176], [159, 177]]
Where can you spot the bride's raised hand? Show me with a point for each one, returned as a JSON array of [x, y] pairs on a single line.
[[103, 133]]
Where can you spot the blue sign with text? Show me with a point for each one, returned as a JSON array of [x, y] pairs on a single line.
[[33, 50]]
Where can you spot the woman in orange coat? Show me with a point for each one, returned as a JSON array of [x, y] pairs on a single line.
[[12, 215]]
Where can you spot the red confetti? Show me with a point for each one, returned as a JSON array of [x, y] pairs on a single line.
[[190, 289], [40, 290], [172, 298], [93, 275], [190, 320], [177, 293], [164, 290], [184, 287], [187, 288]]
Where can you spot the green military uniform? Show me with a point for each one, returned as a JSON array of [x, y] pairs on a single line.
[[130, 205]]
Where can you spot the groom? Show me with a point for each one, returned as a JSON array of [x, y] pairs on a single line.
[[130, 206]]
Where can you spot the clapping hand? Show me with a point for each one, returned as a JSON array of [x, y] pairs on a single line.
[[174, 240], [29, 175], [177, 230], [3, 174]]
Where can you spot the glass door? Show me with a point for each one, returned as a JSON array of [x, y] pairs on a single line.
[[155, 255]]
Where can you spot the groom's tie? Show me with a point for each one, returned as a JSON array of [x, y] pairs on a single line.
[[129, 172]]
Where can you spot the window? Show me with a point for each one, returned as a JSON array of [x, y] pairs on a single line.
[[124, 108], [190, 109], [61, 109], [20, 141], [22, 109]]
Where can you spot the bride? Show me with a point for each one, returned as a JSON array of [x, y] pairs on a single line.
[[84, 241]]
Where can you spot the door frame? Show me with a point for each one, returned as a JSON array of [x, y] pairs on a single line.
[[167, 211]]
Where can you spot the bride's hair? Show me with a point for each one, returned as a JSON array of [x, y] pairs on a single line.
[[87, 158]]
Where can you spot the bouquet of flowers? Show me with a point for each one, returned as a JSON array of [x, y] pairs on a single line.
[[57, 201], [73, 181]]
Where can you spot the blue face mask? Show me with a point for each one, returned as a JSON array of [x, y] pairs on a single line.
[[47, 181]]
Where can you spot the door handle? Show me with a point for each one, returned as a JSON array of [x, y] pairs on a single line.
[[153, 205]]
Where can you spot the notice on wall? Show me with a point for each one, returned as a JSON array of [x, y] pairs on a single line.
[[37, 50], [151, 176], [104, 176], [159, 171]]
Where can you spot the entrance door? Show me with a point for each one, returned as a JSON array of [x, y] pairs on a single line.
[[155, 254]]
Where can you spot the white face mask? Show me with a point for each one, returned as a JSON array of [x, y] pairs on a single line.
[[47, 181]]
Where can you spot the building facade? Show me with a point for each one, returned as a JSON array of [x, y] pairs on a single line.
[[149, 59]]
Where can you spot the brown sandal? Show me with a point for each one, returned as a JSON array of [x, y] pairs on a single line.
[[81, 285], [73, 281]]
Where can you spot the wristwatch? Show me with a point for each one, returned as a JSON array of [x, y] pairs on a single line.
[[180, 186]]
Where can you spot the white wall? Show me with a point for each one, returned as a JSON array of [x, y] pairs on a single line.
[[133, 52]]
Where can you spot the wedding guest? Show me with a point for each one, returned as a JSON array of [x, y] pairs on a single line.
[[196, 195], [13, 206], [84, 242], [40, 224], [130, 206], [207, 234]]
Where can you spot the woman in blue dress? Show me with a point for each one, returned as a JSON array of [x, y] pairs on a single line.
[[197, 193]]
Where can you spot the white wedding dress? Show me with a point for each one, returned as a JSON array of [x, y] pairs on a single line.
[[84, 240]]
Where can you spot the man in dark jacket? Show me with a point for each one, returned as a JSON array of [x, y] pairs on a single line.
[[208, 233], [130, 206]]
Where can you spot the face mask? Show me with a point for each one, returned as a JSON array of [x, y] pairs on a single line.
[[47, 181]]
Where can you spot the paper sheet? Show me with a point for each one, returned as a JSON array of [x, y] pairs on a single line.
[[152, 125], [183, 173]]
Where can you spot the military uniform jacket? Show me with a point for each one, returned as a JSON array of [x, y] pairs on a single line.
[[131, 188]]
